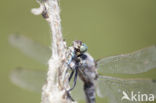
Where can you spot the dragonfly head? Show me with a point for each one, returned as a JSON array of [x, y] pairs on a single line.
[[79, 47]]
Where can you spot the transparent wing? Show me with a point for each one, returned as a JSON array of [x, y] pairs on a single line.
[[132, 63], [33, 80], [115, 88], [30, 48], [29, 79]]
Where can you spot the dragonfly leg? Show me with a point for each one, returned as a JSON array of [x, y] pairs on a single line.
[[69, 96], [71, 75], [75, 79]]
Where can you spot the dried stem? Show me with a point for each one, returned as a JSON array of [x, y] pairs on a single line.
[[54, 91]]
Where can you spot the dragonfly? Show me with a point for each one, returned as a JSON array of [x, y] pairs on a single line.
[[104, 86], [83, 64]]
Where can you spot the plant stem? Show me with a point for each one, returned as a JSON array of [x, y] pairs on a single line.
[[54, 91]]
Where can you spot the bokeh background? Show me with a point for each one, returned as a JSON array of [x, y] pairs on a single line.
[[109, 27]]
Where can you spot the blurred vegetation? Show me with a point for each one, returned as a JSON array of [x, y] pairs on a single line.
[[108, 28]]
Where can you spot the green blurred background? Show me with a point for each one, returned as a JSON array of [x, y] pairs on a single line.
[[109, 27]]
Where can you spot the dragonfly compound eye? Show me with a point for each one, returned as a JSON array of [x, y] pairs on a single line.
[[83, 48]]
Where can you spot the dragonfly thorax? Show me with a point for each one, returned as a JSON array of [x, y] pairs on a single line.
[[88, 67]]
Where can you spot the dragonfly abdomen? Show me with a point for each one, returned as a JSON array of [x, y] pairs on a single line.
[[89, 89]]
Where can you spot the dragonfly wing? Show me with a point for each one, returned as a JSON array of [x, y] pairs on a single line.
[[30, 48], [29, 79], [132, 63], [33, 80], [116, 88]]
